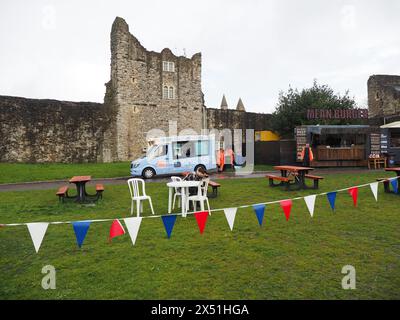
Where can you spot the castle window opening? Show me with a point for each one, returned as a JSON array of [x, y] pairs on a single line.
[[168, 92], [165, 92], [168, 66], [171, 93]]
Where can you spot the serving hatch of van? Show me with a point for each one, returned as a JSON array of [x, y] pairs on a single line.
[[176, 154]]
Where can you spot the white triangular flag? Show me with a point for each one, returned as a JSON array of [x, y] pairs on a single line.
[[230, 214], [374, 189], [310, 202], [133, 225], [37, 230]]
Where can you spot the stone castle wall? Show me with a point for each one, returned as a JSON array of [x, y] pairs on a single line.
[[234, 119], [383, 95], [34, 130]]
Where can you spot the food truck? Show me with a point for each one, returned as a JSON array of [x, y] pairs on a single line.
[[176, 154], [339, 145]]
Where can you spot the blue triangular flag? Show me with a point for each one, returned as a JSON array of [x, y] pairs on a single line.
[[169, 222], [259, 210], [394, 185], [332, 197], [81, 228]]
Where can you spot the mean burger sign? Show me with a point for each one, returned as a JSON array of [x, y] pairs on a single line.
[[337, 114]]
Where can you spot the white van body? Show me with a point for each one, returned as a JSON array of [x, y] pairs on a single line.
[[176, 154]]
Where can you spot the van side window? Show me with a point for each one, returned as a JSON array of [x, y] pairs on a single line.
[[189, 149], [183, 149], [162, 150], [176, 150], [201, 148], [165, 150]]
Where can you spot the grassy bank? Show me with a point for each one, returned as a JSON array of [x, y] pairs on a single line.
[[301, 258], [24, 172]]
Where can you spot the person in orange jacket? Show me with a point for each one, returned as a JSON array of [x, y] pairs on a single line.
[[229, 153], [220, 159], [307, 155]]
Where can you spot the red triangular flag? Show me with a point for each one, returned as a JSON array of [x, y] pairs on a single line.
[[354, 193], [201, 218], [116, 229], [286, 206]]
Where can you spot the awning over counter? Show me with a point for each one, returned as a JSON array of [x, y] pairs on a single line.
[[391, 125], [339, 129]]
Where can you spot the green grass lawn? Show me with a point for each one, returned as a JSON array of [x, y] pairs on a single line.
[[26, 172], [301, 258], [23, 172]]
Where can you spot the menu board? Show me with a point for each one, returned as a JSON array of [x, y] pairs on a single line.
[[384, 142], [301, 140], [375, 143]]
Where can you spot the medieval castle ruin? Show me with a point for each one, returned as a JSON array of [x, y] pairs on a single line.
[[146, 91], [384, 96]]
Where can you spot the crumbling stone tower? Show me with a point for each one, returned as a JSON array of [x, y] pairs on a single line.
[[383, 95], [147, 90]]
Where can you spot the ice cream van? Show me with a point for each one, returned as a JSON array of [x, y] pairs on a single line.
[[174, 155]]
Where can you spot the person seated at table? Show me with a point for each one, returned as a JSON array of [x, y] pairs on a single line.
[[198, 175]]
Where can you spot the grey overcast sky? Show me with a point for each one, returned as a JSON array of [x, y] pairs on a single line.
[[250, 49]]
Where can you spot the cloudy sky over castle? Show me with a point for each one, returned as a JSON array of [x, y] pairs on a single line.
[[250, 49]]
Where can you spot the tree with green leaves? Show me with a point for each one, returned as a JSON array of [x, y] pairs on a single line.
[[291, 110]]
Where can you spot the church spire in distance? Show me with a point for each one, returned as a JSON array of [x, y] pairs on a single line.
[[224, 104]]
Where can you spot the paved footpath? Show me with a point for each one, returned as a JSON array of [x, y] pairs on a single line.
[[45, 185]]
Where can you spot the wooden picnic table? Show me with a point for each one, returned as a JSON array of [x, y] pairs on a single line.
[[80, 182], [297, 172], [81, 194], [397, 170]]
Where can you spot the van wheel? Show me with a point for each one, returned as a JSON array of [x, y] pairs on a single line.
[[148, 173], [199, 166]]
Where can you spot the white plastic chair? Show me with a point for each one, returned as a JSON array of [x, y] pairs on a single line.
[[138, 194], [178, 192], [201, 196]]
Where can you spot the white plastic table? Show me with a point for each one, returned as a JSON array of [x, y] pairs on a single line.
[[184, 185]]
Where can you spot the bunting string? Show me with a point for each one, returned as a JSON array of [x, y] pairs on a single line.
[[212, 210]]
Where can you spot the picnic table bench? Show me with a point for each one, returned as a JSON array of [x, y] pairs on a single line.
[[215, 186], [62, 193], [282, 180], [314, 178], [99, 190]]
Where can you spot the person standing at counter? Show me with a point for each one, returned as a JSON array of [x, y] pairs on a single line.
[[307, 155]]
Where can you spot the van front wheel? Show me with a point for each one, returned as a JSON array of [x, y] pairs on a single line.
[[148, 173]]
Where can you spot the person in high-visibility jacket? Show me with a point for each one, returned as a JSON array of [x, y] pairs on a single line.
[[307, 155], [231, 156], [220, 159]]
